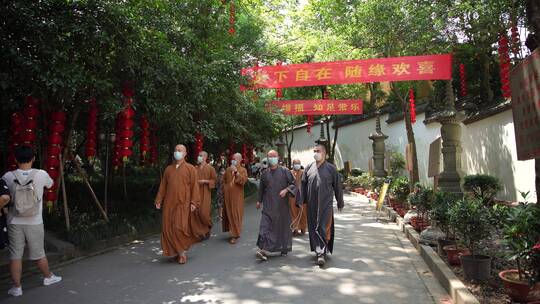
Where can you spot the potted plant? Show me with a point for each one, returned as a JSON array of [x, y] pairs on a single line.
[[522, 235], [399, 189], [442, 202], [421, 199], [469, 218], [483, 187]]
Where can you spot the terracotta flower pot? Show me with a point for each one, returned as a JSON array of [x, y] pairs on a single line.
[[519, 291], [441, 243], [453, 254]]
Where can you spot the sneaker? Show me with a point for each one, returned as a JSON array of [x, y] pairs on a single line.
[[51, 280], [15, 291], [261, 255], [320, 260]]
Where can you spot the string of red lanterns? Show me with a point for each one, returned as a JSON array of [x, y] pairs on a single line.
[[504, 64], [412, 106], [91, 130], [462, 80], [54, 148]]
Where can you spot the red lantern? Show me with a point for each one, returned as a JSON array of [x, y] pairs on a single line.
[[504, 64], [124, 125], [462, 80], [412, 106], [55, 139]]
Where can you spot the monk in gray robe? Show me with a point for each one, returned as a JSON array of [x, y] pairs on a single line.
[[320, 183], [276, 184]]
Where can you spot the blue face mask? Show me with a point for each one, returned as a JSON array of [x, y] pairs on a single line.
[[200, 159], [297, 167], [178, 155], [234, 162], [273, 161]]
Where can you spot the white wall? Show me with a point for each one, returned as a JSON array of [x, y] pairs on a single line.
[[488, 147]]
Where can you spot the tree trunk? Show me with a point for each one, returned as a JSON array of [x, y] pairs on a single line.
[[413, 175], [289, 147], [486, 92], [533, 21]]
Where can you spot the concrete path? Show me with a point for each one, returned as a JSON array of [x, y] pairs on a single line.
[[372, 263]]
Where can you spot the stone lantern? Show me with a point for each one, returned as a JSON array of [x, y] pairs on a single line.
[[379, 148]]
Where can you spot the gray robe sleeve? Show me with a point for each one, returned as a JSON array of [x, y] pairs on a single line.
[[262, 187], [304, 187], [338, 189], [290, 182]]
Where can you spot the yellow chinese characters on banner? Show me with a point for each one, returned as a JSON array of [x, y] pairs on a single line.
[[319, 106]]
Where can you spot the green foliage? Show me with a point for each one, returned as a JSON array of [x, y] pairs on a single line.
[[364, 180], [397, 163], [421, 198], [521, 231], [483, 187], [377, 183], [399, 188], [356, 172], [468, 217], [440, 212]]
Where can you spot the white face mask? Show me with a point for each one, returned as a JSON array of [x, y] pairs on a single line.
[[234, 162], [200, 159], [317, 156], [297, 167], [178, 155]]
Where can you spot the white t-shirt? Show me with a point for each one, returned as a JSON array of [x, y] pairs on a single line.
[[41, 180]]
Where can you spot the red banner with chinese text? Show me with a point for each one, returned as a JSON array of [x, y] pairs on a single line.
[[319, 106], [426, 67]]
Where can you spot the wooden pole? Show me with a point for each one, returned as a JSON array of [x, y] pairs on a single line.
[[85, 179], [64, 195]]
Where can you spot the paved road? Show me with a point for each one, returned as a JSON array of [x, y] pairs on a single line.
[[372, 263]]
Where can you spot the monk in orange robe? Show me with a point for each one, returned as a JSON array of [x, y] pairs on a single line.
[[201, 220], [233, 182], [179, 196], [299, 221]]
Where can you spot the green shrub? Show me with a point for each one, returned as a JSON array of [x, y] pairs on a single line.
[[421, 198], [468, 217], [399, 188], [521, 231], [440, 212], [483, 187], [356, 172], [397, 163]]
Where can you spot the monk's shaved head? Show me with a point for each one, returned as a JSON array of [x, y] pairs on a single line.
[[272, 153], [238, 157], [296, 161], [180, 148], [321, 147]]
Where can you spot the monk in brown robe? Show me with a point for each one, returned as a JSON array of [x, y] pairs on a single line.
[[299, 221], [201, 220], [179, 196], [233, 210]]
